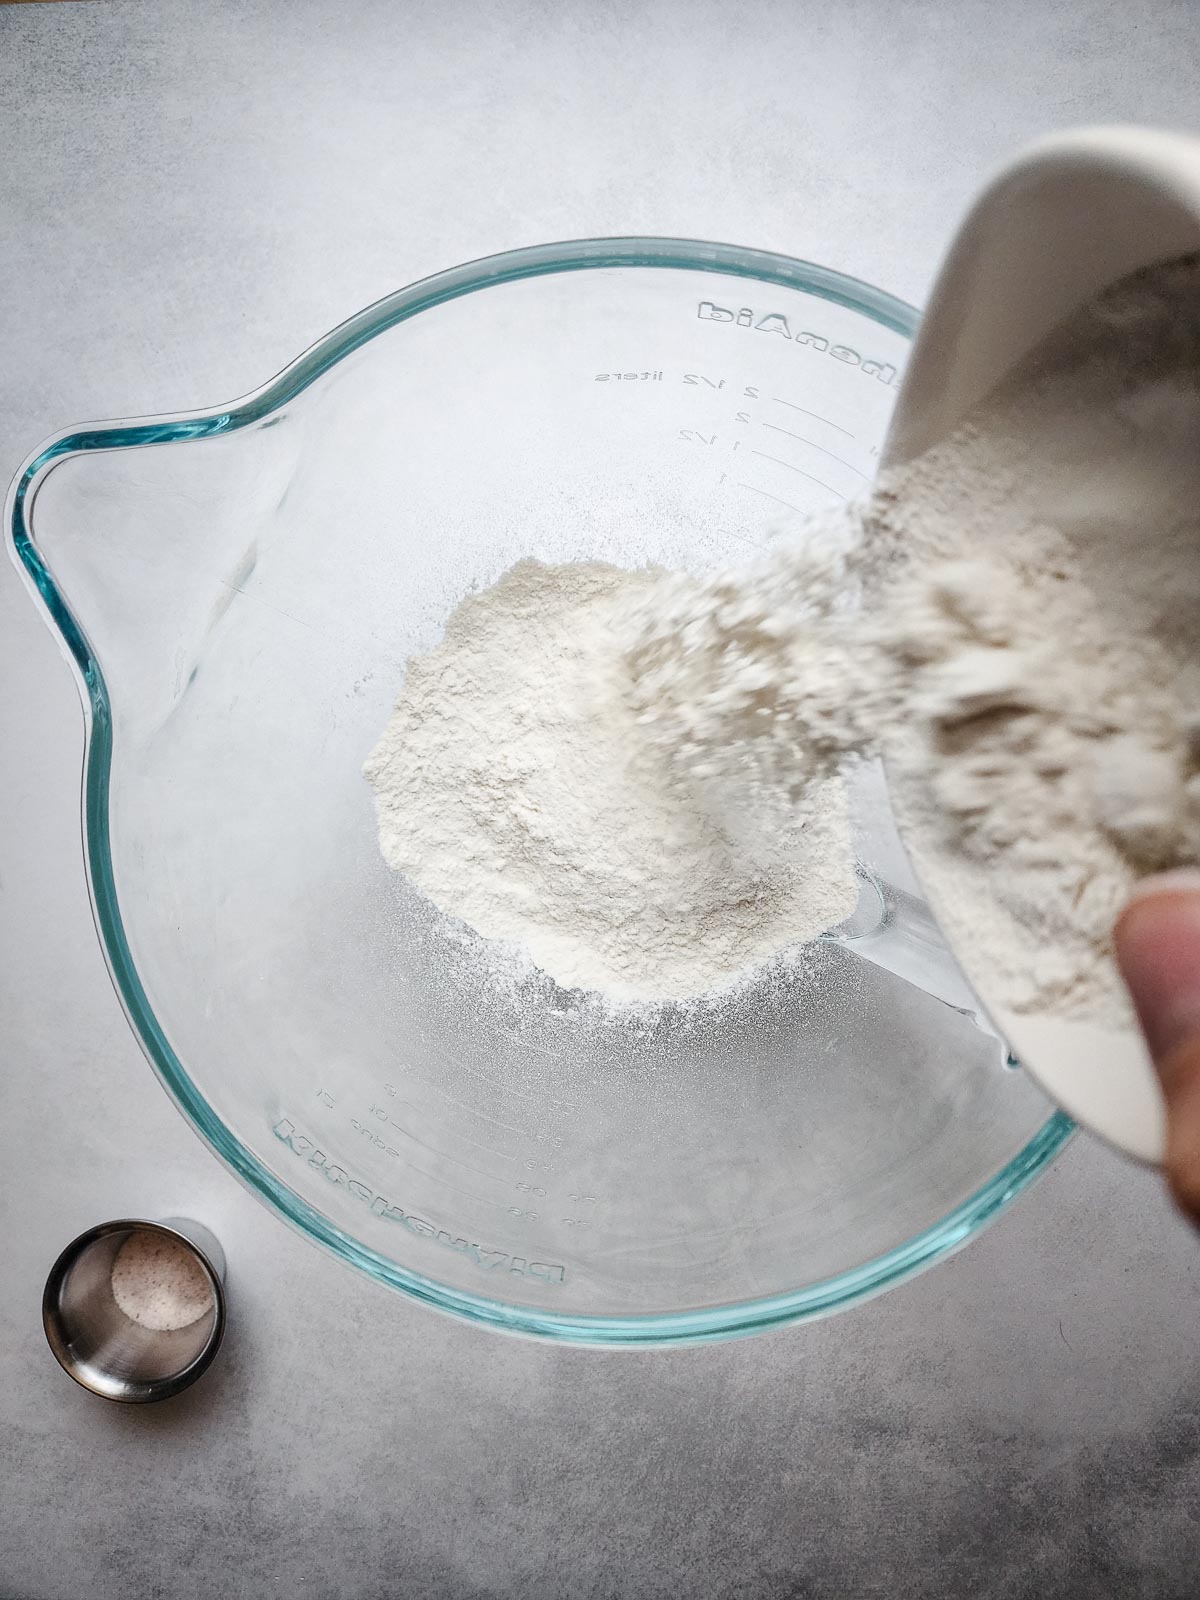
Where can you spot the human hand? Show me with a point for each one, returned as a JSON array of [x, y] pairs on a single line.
[[1158, 951]]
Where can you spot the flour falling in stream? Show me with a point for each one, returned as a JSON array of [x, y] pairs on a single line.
[[638, 777]]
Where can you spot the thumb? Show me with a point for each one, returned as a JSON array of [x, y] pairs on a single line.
[[1158, 950]]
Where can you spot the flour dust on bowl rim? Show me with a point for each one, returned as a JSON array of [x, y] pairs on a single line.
[[238, 591]]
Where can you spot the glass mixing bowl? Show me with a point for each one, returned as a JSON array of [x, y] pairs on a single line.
[[238, 591]]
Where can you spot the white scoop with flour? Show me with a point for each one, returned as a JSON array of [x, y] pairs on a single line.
[[1073, 214]]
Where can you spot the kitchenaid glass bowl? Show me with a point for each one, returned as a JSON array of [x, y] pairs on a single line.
[[238, 591]]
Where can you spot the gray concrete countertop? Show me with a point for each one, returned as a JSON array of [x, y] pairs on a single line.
[[188, 195]]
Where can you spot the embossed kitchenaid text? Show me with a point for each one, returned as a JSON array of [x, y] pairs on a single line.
[[489, 1260], [774, 322]]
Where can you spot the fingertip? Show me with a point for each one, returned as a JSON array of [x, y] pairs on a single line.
[[1157, 940]]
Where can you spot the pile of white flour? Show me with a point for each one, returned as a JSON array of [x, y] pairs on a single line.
[[513, 787], [637, 776]]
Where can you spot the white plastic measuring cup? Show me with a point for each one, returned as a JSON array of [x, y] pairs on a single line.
[[1072, 214]]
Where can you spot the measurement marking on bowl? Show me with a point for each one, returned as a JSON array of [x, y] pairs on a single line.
[[411, 1166], [478, 1143], [531, 1047], [767, 495], [442, 1155], [528, 1163], [506, 1088], [813, 445], [379, 1143], [779, 462], [780, 401], [462, 1105], [744, 538]]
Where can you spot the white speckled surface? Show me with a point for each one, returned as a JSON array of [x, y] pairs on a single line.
[[188, 195]]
